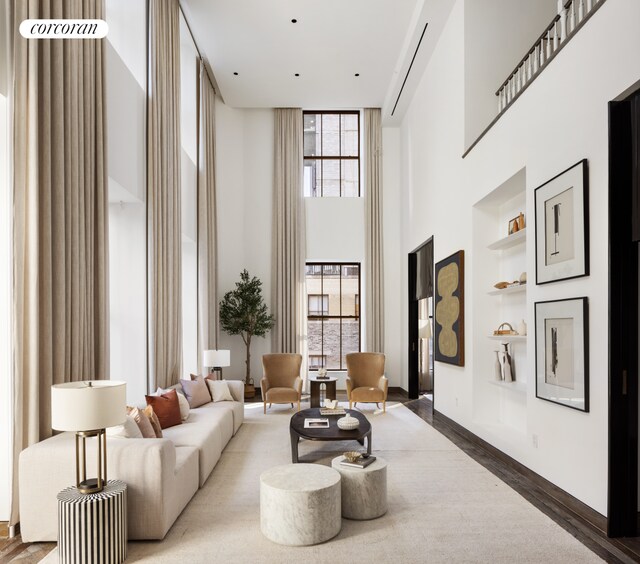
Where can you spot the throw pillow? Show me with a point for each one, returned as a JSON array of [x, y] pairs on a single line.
[[167, 408], [153, 419], [184, 404], [196, 392], [143, 422], [128, 430], [219, 390]]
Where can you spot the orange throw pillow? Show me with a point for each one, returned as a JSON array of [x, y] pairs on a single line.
[[167, 408], [153, 419]]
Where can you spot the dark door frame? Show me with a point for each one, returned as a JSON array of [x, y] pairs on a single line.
[[413, 313], [624, 233]]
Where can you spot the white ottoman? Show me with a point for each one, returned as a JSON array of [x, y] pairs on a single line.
[[300, 504], [364, 490]]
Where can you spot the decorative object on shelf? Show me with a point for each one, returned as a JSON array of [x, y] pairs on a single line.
[[523, 278], [449, 310], [243, 312], [502, 285], [216, 360], [520, 221], [513, 226], [522, 328], [348, 423], [508, 368], [322, 373], [505, 329], [352, 456], [562, 352], [88, 408], [562, 226], [498, 367]]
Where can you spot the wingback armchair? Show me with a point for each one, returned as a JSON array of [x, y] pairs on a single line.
[[281, 382], [366, 381]]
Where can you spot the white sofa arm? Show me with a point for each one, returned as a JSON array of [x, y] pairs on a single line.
[[236, 387], [147, 466]]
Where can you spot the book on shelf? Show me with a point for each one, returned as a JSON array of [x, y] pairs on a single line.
[[328, 411], [316, 423], [361, 463]]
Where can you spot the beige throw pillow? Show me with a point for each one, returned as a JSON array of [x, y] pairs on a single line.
[[153, 419], [196, 392], [128, 430], [143, 422], [219, 390]]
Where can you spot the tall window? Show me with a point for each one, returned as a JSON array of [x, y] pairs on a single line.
[[333, 318], [332, 154]]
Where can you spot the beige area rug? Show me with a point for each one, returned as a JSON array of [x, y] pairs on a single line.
[[443, 506]]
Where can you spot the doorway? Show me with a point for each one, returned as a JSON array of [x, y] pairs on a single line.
[[420, 304], [624, 234]]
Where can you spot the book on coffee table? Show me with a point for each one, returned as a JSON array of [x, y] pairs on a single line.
[[337, 411], [316, 423], [361, 463]]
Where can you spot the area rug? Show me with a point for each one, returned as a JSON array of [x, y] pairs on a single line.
[[443, 506]]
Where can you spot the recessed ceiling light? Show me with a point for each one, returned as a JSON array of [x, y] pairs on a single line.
[[294, 20], [297, 74], [235, 74], [357, 74]]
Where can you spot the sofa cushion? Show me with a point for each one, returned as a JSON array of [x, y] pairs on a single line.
[[196, 392], [153, 419], [128, 430], [167, 408], [184, 403], [219, 390], [143, 422], [237, 410]]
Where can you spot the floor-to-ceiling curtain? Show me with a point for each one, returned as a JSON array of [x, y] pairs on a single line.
[[60, 225], [374, 271], [289, 233], [163, 193], [207, 224]]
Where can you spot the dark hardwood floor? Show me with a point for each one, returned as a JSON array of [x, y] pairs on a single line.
[[590, 533]]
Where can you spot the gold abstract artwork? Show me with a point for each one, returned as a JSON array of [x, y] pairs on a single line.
[[448, 309]]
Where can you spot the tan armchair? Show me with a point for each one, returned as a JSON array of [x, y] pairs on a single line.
[[366, 381], [281, 382]]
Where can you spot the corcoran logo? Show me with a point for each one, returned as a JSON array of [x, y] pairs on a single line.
[[64, 29]]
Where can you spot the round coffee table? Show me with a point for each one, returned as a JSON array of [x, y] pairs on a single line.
[[331, 433]]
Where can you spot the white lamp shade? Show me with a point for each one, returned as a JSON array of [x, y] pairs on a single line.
[[216, 359], [88, 405]]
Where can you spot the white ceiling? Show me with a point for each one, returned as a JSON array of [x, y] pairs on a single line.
[[332, 40]]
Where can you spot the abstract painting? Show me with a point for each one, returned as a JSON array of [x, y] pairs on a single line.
[[449, 310]]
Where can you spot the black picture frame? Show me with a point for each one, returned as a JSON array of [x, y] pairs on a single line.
[[443, 305], [576, 265], [573, 313]]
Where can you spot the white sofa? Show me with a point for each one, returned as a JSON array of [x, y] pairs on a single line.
[[162, 475]]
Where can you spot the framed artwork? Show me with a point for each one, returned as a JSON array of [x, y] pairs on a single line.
[[562, 226], [562, 352], [449, 310]]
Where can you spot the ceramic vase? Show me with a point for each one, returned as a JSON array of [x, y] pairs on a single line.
[[498, 367], [522, 327]]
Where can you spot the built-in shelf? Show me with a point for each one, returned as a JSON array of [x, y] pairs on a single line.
[[508, 338], [517, 386], [509, 290], [518, 238]]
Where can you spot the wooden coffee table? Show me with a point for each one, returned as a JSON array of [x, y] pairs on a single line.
[[331, 433]]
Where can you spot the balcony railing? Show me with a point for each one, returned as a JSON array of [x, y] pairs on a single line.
[[572, 15]]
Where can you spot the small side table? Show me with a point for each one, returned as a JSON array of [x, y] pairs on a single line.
[[92, 528], [316, 388], [364, 490]]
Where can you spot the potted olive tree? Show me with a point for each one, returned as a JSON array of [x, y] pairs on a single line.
[[243, 312]]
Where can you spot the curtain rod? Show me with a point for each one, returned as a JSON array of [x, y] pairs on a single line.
[[197, 49]]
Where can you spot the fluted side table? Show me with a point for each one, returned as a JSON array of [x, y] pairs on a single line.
[[364, 490], [92, 528]]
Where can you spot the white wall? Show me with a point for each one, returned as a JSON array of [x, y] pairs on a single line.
[[560, 119], [244, 187]]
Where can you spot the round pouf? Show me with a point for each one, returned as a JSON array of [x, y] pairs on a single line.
[[92, 528], [364, 490], [300, 504]]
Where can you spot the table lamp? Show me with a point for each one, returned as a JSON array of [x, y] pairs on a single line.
[[88, 408], [215, 360]]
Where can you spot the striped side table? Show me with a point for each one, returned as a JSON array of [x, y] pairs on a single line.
[[92, 528]]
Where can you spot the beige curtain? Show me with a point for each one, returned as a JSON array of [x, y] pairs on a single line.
[[374, 268], [207, 224], [289, 234], [60, 234], [163, 194]]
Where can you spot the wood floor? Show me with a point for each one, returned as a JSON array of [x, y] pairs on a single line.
[[610, 550]]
